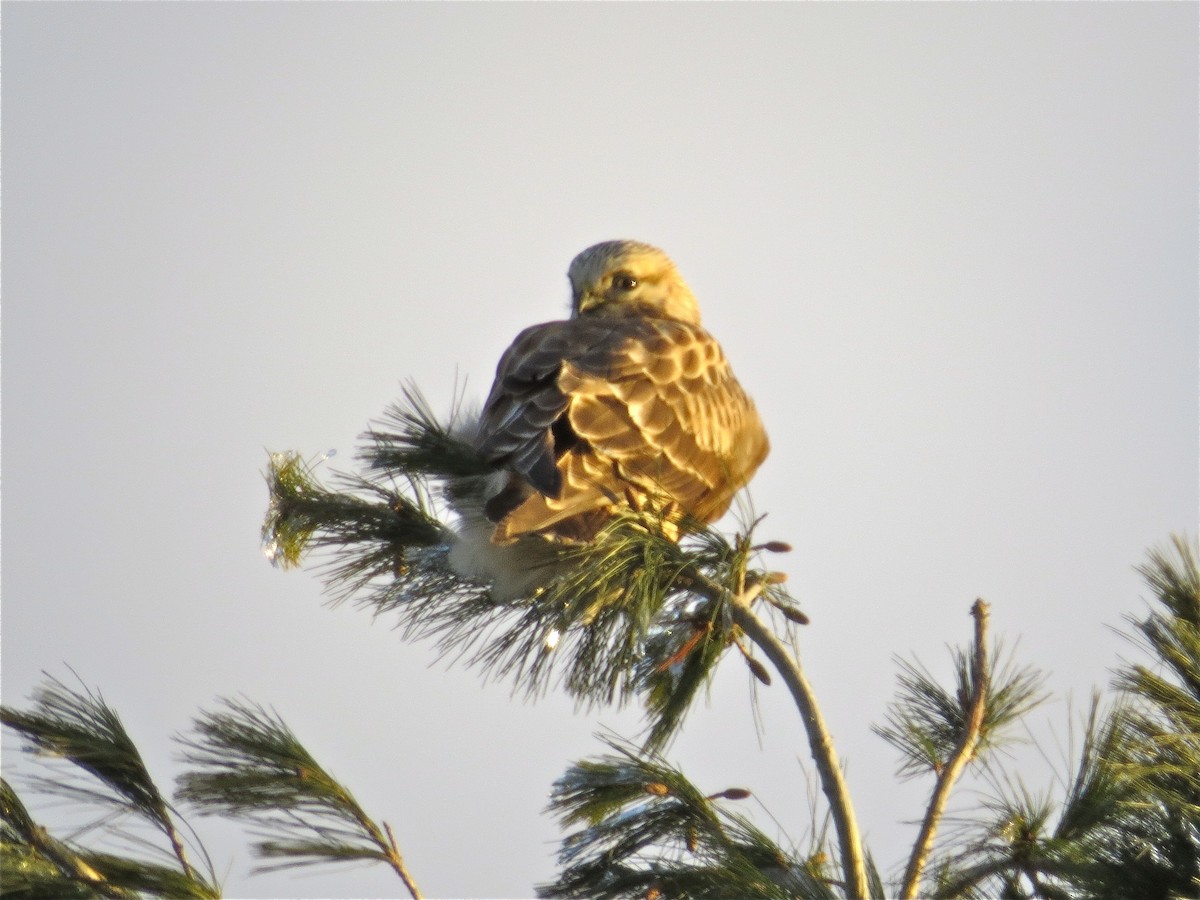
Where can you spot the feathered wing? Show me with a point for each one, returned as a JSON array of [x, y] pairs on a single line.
[[588, 414]]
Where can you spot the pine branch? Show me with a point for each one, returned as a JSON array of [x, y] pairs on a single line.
[[1107, 841], [962, 755], [1096, 792], [249, 765], [926, 721], [1127, 825], [82, 729], [1167, 758], [411, 439], [589, 629], [1016, 843], [820, 741], [1157, 834], [941, 731], [620, 620], [374, 525], [36, 864], [648, 831], [1090, 850]]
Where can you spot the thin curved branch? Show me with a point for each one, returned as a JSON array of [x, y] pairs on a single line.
[[787, 663], [962, 755], [397, 863], [177, 845]]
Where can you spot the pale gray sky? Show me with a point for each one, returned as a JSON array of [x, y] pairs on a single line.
[[950, 249]]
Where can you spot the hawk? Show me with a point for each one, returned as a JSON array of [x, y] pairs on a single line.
[[629, 402]]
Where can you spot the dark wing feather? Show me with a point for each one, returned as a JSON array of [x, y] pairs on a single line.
[[587, 412], [525, 401]]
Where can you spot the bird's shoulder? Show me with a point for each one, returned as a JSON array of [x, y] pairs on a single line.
[[610, 347]]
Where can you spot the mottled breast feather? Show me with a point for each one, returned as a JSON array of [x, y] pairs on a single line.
[[588, 414]]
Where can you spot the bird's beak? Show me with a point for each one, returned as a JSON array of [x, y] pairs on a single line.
[[586, 300]]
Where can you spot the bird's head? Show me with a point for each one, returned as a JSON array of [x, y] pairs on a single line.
[[626, 278]]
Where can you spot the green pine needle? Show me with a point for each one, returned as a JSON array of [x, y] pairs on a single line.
[[1128, 824], [83, 729], [30, 874], [373, 523], [289, 524], [1165, 760], [647, 829], [79, 728], [34, 864], [1096, 790], [926, 721], [247, 764], [140, 878], [411, 439]]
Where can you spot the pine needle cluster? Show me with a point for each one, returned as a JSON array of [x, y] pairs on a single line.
[[99, 767], [649, 832], [247, 764], [242, 762], [1128, 823], [926, 721]]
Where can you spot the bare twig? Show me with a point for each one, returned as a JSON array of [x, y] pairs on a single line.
[[787, 663], [167, 824], [388, 845], [397, 862], [962, 755]]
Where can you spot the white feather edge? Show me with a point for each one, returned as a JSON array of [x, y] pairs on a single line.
[[512, 571]]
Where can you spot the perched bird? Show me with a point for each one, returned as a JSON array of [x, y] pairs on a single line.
[[629, 402]]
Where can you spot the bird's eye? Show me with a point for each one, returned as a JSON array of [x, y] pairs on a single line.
[[623, 281]]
